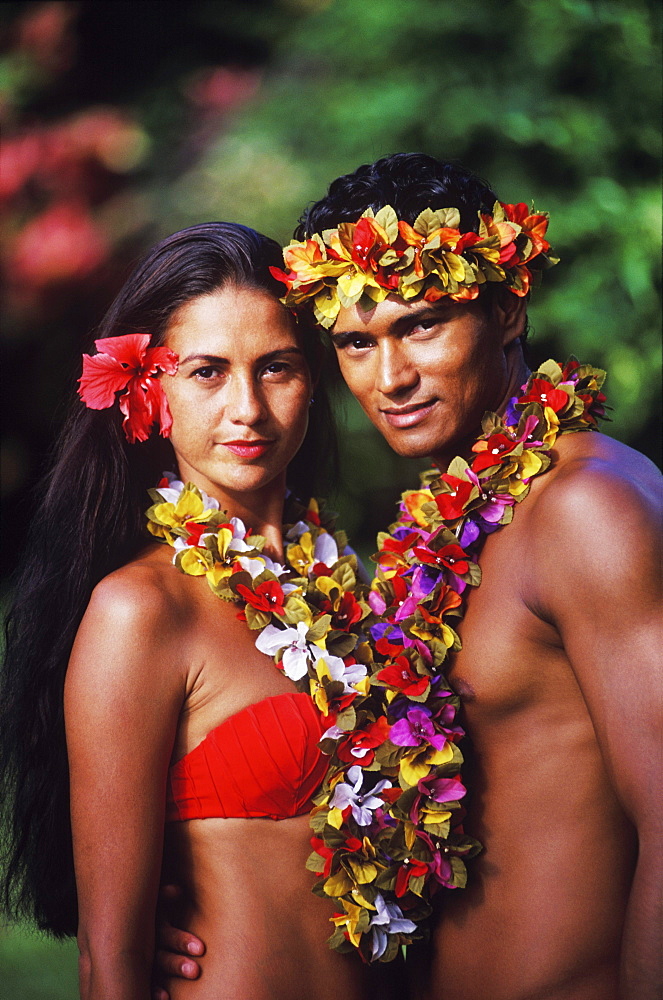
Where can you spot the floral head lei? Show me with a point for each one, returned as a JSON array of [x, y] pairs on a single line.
[[129, 366], [380, 255], [387, 821]]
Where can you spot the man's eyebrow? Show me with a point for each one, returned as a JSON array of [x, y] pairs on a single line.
[[407, 319], [215, 359]]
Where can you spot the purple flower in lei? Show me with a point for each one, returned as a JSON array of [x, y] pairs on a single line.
[[415, 729], [389, 919]]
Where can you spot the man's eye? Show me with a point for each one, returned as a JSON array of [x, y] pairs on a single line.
[[276, 368], [425, 325]]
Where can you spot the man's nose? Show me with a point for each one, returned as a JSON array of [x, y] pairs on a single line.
[[244, 402], [396, 373]]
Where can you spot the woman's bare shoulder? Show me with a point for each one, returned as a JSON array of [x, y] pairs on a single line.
[[133, 620]]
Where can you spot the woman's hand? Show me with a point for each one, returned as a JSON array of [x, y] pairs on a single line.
[[173, 946]]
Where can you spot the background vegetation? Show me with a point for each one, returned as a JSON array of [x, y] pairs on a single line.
[[126, 121]]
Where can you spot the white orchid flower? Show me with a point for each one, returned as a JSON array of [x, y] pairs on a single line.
[[348, 794], [348, 674], [296, 650], [325, 549], [171, 493], [388, 919], [297, 531], [255, 566]]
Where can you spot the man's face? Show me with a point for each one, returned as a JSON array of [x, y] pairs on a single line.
[[425, 373]]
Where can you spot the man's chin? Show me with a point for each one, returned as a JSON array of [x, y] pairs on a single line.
[[411, 449]]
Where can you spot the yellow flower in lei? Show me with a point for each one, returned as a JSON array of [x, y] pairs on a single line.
[[365, 261]]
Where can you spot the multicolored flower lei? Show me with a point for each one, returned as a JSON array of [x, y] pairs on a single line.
[[324, 628], [388, 820], [381, 254]]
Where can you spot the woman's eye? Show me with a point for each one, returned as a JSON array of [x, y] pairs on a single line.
[[357, 344], [206, 373]]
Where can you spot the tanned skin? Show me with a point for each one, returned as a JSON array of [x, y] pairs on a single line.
[[559, 677]]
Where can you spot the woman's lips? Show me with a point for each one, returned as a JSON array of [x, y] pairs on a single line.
[[408, 416], [248, 449]]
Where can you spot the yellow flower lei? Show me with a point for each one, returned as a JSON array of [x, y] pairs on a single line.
[[381, 254]]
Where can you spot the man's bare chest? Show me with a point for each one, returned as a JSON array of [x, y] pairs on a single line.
[[511, 658]]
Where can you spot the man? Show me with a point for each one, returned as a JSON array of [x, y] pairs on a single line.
[[558, 667]]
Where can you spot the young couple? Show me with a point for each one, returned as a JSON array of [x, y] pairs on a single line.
[[161, 724]]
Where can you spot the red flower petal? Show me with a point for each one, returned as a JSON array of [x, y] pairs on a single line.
[[102, 377], [140, 407], [129, 349], [163, 358]]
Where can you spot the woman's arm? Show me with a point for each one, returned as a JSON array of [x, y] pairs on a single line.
[[123, 694]]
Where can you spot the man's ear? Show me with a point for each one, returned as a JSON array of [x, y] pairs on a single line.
[[510, 312]]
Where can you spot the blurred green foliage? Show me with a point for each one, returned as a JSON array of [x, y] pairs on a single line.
[[33, 967]]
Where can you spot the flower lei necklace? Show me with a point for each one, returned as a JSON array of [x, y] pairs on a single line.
[[388, 820]]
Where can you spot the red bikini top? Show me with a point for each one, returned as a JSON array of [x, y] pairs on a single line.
[[262, 762]]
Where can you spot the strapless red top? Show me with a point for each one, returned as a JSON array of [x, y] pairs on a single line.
[[262, 762]]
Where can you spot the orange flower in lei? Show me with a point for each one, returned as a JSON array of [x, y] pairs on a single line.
[[381, 254]]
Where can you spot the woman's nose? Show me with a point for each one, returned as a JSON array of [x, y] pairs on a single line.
[[396, 373], [244, 404]]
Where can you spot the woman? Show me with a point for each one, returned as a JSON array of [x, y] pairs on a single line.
[[167, 700]]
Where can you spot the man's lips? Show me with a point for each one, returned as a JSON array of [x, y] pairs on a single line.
[[248, 449], [410, 415]]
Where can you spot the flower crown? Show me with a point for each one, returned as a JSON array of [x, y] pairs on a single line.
[[381, 255]]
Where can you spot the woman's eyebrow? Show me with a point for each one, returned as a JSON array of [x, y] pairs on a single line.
[[215, 359]]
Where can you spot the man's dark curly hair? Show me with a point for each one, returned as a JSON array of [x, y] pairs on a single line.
[[409, 182]]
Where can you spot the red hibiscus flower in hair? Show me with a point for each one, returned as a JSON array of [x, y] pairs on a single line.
[[128, 365]]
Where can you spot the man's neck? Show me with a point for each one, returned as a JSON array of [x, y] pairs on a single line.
[[516, 376]]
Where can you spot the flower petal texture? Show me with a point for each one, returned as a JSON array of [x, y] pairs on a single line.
[[129, 366]]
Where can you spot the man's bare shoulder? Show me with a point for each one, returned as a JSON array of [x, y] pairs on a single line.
[[596, 481], [594, 525]]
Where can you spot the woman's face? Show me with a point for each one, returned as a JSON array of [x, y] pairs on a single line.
[[239, 400]]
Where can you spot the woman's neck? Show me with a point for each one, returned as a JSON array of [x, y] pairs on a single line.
[[261, 510]]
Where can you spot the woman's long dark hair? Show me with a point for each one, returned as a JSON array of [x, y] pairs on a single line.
[[89, 523]]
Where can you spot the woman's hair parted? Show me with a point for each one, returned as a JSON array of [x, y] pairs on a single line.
[[89, 522]]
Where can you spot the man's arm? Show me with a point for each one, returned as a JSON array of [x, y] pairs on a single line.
[[597, 555]]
